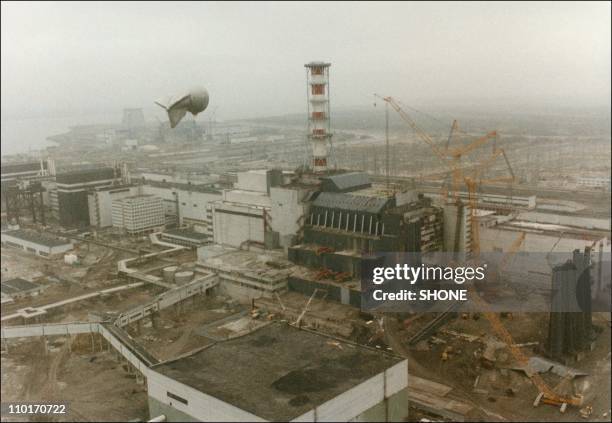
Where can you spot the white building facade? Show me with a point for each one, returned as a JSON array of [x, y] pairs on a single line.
[[138, 214]]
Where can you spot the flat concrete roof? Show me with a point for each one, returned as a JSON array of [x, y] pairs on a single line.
[[278, 372], [13, 286], [195, 187], [37, 238], [269, 265]]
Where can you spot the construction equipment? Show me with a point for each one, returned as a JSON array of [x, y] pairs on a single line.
[[299, 319], [547, 395], [511, 251], [324, 273], [451, 159], [322, 250], [472, 183]]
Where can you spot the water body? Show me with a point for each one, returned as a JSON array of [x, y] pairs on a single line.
[[27, 135]]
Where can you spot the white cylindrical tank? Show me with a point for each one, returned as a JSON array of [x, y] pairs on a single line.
[[168, 273], [184, 277]]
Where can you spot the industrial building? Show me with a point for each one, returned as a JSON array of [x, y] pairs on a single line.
[[185, 237], [264, 320], [185, 204], [133, 120], [17, 288], [23, 188], [41, 244], [242, 215], [71, 189], [100, 202], [24, 171], [594, 182], [299, 376], [246, 275], [138, 213]]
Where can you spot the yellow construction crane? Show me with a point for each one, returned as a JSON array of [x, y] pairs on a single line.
[[547, 395], [516, 245], [472, 182], [451, 158]]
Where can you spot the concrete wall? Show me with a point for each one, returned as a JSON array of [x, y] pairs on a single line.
[[233, 224], [253, 180], [101, 204], [451, 214], [191, 204], [500, 239], [244, 291], [366, 401], [536, 267], [394, 409], [285, 212], [166, 299], [557, 219], [199, 407], [247, 197]]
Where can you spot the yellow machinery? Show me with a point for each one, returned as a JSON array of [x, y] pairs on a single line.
[[451, 158]]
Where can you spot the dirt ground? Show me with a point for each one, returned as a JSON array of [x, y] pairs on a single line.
[[504, 394], [96, 272], [96, 386], [178, 329]]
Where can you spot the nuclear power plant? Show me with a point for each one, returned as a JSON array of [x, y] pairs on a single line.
[[193, 277]]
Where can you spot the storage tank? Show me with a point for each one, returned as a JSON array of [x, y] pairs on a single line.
[[168, 273], [184, 277]]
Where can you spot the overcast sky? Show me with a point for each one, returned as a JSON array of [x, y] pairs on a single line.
[[66, 57]]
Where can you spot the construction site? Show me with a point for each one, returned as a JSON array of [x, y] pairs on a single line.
[[220, 270]]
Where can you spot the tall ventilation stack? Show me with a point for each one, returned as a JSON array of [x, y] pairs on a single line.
[[319, 129]]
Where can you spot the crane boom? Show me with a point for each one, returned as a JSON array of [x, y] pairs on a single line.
[[451, 158], [422, 134]]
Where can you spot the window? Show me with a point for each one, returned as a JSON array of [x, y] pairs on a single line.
[[176, 397]]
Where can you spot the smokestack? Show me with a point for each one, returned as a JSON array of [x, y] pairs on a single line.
[[317, 80]]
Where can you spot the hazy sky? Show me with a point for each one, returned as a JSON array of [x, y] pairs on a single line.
[[65, 57]]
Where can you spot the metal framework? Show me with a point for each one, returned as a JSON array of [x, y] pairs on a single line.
[[20, 197]]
